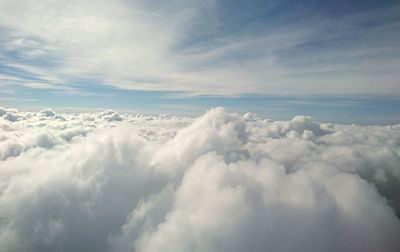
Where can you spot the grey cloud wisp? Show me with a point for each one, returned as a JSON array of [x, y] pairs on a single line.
[[200, 47], [221, 182]]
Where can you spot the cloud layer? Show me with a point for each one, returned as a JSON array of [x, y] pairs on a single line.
[[221, 182], [207, 47]]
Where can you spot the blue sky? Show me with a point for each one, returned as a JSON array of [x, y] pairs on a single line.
[[334, 60]]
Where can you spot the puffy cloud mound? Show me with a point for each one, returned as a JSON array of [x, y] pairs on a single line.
[[47, 112], [109, 115], [221, 182]]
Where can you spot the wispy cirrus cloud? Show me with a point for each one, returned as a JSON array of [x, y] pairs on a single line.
[[193, 47]]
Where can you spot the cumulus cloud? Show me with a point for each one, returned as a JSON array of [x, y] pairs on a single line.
[[47, 112], [222, 182]]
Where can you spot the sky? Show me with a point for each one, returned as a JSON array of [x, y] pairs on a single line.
[[124, 125], [333, 60]]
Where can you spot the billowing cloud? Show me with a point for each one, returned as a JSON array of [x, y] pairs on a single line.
[[221, 182]]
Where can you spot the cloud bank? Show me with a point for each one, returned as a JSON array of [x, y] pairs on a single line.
[[221, 182]]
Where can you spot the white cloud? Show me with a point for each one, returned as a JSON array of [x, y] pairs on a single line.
[[220, 182], [143, 45]]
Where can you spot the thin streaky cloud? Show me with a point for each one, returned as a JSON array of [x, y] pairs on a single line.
[[143, 46]]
